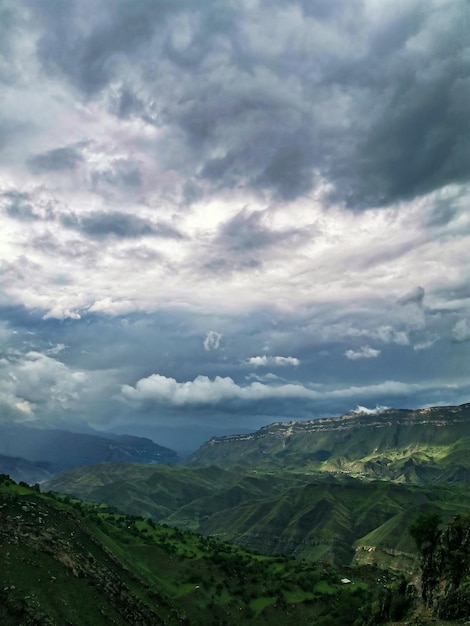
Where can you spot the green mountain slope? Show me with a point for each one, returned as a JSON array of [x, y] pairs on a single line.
[[409, 446], [317, 516], [336, 490], [67, 562]]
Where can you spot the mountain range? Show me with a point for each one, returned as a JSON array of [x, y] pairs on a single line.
[[34, 454], [410, 446], [341, 493], [342, 490]]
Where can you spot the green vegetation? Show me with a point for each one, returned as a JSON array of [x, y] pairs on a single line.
[[333, 519], [66, 561], [411, 447], [445, 563]]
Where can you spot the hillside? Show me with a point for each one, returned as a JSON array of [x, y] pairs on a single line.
[[409, 446], [339, 490], [334, 519], [67, 562]]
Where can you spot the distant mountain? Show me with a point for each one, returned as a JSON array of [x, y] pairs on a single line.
[[410, 446], [60, 449], [23, 470]]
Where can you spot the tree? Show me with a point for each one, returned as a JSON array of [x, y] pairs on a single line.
[[425, 531]]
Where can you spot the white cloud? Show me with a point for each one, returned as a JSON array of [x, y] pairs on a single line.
[[264, 361], [461, 330], [204, 391], [387, 334], [365, 352], [37, 381], [57, 349], [212, 340], [362, 410], [425, 344]]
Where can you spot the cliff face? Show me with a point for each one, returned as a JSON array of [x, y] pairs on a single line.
[[411, 446], [446, 570]]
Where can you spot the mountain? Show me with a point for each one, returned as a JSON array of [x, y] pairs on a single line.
[[22, 470], [340, 490], [410, 446], [334, 519], [61, 449], [66, 562]]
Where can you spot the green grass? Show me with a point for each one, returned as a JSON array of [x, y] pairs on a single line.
[[293, 597], [324, 588], [259, 604]]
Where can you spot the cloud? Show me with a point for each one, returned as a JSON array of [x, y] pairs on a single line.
[[362, 410], [461, 330], [292, 175], [270, 114], [116, 224], [426, 344], [36, 383], [415, 296], [265, 361], [57, 159], [221, 391], [387, 334], [212, 341], [18, 206], [204, 391], [365, 352]]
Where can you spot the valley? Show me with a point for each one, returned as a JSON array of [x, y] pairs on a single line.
[[266, 524]]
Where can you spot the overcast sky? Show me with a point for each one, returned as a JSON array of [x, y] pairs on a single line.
[[216, 214]]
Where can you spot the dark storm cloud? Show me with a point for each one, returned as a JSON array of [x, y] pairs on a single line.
[[89, 55], [247, 240], [58, 159], [404, 129], [396, 95], [117, 224], [415, 296], [248, 231], [126, 104]]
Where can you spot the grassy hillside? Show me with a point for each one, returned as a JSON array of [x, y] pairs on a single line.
[[334, 519], [68, 562]]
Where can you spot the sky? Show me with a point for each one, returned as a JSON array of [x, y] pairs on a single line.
[[218, 214]]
